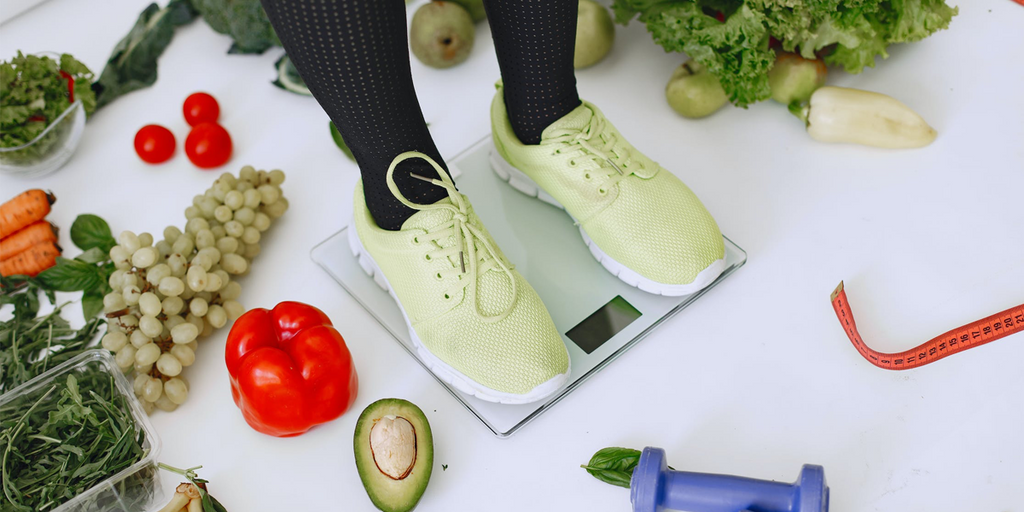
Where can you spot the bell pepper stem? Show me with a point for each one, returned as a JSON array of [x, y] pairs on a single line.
[[800, 110]]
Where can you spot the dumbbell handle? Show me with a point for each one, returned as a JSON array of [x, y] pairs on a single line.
[[705, 492]]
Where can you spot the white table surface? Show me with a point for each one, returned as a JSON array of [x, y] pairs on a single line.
[[755, 379]]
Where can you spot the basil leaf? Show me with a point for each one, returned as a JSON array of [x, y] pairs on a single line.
[[92, 303], [94, 255], [613, 465], [89, 231], [70, 276]]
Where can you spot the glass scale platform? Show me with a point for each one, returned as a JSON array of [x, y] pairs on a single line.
[[599, 316]]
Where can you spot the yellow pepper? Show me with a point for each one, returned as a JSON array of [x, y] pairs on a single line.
[[838, 114]]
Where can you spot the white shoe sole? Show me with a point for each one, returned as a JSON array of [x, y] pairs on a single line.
[[443, 370], [521, 182]]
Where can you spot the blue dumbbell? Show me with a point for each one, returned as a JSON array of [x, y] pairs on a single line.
[[654, 488]]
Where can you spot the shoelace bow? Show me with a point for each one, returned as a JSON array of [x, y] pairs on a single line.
[[608, 151], [469, 238]]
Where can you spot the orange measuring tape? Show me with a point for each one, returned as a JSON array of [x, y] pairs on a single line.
[[972, 335]]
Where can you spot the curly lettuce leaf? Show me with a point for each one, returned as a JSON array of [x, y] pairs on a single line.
[[735, 51], [847, 33]]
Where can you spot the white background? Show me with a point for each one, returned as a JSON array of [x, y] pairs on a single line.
[[755, 379]]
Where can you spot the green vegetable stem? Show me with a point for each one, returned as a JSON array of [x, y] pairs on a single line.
[[210, 504]]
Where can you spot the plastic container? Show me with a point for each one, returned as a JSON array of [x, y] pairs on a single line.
[[136, 488]]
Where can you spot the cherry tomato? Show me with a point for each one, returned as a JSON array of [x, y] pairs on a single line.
[[154, 144], [208, 145], [201, 108]]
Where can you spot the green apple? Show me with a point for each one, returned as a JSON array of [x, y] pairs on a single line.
[[693, 92], [595, 34]]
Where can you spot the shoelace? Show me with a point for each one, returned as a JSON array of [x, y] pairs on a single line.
[[608, 151], [469, 238]]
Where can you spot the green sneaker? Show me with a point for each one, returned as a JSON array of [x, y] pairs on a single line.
[[642, 223], [475, 321]]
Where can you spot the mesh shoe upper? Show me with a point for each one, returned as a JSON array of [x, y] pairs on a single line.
[[634, 210], [495, 331]]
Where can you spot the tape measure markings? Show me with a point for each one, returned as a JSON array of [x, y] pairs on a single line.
[[957, 340]]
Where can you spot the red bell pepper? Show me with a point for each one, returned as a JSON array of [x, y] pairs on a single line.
[[290, 369]]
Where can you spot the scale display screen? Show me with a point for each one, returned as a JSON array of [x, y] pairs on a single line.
[[602, 324]]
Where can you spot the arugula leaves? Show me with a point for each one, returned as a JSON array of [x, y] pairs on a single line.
[[30, 345], [62, 440]]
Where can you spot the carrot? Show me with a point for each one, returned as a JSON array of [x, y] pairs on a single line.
[[26, 208], [33, 234], [32, 261]]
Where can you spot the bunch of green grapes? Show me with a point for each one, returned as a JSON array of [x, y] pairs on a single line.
[[169, 294]]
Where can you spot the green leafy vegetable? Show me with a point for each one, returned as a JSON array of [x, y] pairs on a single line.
[[288, 77], [848, 33], [132, 65], [34, 91], [338, 141], [79, 432], [613, 465], [244, 20], [90, 271], [89, 232], [29, 345]]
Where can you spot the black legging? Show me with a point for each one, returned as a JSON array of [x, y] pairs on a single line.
[[354, 57]]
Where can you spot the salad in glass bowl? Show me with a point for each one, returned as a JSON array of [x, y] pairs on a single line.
[[45, 99]]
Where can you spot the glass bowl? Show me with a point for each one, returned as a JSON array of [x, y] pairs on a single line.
[[136, 488], [49, 150]]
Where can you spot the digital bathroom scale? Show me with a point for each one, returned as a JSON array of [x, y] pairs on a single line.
[[599, 316]]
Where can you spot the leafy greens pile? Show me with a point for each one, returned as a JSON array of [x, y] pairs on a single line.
[[31, 344], [847, 33], [60, 442]]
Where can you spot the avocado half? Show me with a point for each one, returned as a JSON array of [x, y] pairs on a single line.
[[394, 452]]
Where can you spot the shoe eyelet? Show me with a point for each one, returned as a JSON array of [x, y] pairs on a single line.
[[416, 240], [438, 276], [447, 297], [427, 257], [572, 163], [586, 176], [602, 191]]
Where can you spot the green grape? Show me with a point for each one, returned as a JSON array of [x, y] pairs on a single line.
[[114, 340], [168, 365], [147, 354]]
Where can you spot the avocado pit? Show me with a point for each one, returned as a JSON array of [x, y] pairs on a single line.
[[393, 446]]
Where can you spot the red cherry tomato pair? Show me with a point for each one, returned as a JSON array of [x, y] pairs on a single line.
[[208, 145]]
